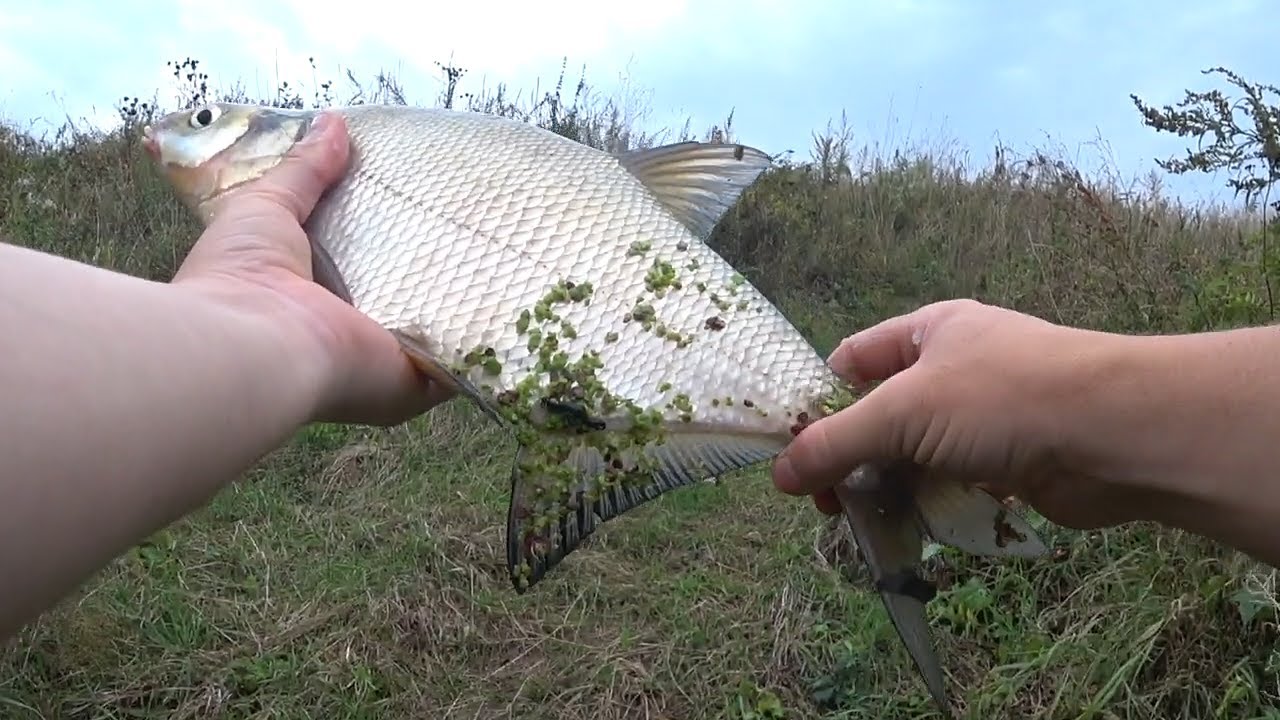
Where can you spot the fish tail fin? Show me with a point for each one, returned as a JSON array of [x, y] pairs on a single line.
[[881, 515], [564, 488], [889, 509]]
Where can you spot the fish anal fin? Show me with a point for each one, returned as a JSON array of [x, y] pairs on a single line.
[[971, 519], [697, 182], [430, 365], [564, 489], [324, 272]]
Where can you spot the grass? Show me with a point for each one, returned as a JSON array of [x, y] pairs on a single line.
[[358, 573]]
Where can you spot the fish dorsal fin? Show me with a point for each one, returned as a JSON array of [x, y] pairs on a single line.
[[698, 182]]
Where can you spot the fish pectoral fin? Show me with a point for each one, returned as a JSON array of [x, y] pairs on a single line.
[[433, 368], [697, 182], [972, 520], [546, 523], [889, 539], [324, 272]]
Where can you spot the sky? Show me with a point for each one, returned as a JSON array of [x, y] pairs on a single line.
[[960, 74]]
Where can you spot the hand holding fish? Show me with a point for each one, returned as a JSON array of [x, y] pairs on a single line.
[[255, 252], [1092, 429], [129, 403]]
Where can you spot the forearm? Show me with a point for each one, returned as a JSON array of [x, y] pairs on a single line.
[[126, 404], [1193, 422]]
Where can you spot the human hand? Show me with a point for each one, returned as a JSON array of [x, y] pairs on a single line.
[[254, 256], [973, 392]]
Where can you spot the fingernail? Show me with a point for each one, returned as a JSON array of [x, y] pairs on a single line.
[[842, 349], [319, 124]]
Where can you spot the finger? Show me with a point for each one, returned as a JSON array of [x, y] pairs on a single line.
[[306, 171], [878, 352], [417, 394], [834, 446], [887, 348]]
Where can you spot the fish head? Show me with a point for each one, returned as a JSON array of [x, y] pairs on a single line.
[[207, 150]]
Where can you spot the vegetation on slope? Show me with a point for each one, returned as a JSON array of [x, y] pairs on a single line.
[[357, 573]]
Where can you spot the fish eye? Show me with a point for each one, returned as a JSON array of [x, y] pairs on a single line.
[[204, 116]]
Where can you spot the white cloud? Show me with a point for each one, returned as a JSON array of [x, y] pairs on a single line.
[[258, 42], [511, 40], [980, 67]]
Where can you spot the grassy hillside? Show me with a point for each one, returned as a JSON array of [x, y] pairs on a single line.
[[359, 574]]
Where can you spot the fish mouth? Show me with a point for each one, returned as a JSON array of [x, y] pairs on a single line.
[[150, 144]]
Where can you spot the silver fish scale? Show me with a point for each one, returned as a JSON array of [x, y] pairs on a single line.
[[451, 236]]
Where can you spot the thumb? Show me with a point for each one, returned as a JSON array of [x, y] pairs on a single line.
[[875, 428], [297, 182]]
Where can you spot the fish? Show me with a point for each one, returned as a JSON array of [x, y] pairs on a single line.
[[571, 294]]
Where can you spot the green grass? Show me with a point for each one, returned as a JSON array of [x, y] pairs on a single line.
[[359, 573]]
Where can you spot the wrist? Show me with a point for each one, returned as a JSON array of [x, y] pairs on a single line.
[[1128, 420], [285, 352]]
